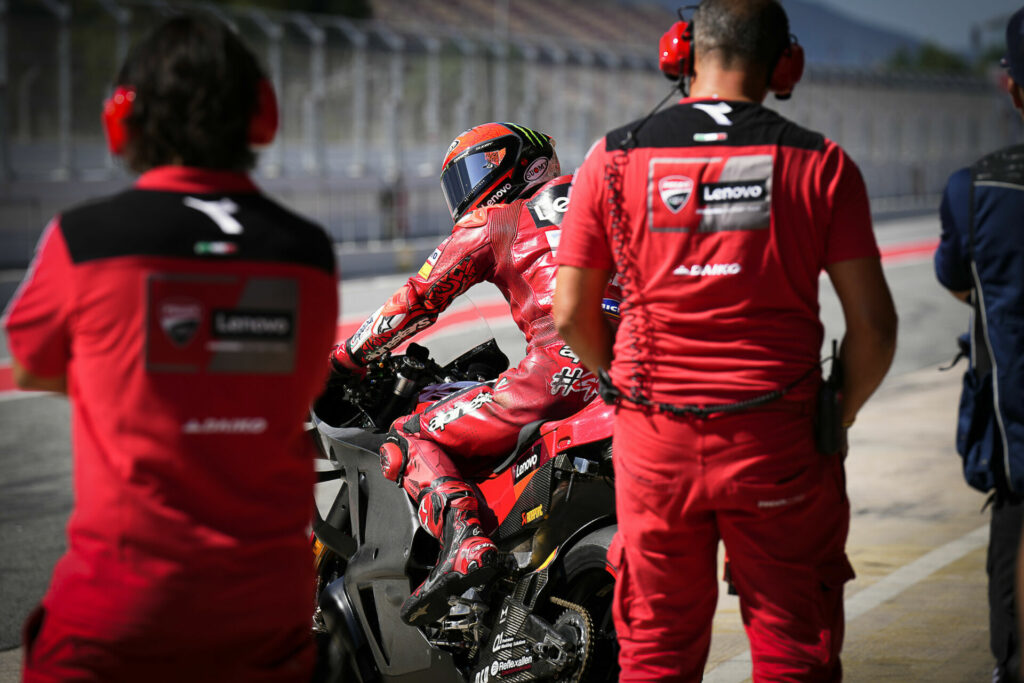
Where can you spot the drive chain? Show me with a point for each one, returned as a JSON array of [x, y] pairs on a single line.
[[588, 637]]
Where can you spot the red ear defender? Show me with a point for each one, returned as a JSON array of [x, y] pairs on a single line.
[[675, 51], [116, 109], [788, 71], [263, 125]]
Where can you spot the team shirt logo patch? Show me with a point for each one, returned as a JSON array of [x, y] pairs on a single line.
[[703, 270], [675, 191], [232, 324], [179, 319], [215, 248], [225, 425], [741, 191], [705, 193], [221, 324]]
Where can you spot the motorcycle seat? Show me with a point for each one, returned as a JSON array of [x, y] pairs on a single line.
[[528, 434]]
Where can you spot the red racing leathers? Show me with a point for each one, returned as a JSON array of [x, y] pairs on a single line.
[[512, 246]]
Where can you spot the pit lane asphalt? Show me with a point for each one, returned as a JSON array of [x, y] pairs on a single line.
[[917, 607]]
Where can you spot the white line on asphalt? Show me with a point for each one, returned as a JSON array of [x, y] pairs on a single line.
[[17, 395], [739, 667], [906, 261]]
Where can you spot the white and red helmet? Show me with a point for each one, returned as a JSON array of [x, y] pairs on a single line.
[[494, 163]]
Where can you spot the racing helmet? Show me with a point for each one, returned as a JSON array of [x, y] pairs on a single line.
[[494, 163]]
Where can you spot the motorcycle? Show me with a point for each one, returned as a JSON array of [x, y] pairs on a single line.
[[549, 507]]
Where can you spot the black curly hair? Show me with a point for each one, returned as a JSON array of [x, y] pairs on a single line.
[[196, 90]]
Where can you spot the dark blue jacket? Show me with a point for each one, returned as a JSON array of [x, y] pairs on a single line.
[[982, 250]]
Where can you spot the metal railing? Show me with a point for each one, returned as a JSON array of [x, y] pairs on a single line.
[[368, 109]]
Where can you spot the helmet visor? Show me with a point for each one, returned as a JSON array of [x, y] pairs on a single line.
[[465, 174]]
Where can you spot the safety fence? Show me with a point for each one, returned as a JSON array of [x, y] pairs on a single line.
[[368, 107]]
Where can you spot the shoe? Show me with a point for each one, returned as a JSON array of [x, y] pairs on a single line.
[[1001, 674], [468, 558]]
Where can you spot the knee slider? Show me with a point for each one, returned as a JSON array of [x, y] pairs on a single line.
[[394, 457]]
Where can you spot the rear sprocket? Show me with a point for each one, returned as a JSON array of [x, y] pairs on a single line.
[[575, 623]]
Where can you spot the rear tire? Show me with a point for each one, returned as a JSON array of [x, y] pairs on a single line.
[[589, 581]]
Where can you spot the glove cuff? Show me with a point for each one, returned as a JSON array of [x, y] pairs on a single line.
[[342, 360]]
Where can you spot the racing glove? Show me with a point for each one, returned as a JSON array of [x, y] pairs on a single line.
[[343, 366]]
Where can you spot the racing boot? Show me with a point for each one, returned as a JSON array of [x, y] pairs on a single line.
[[468, 559]]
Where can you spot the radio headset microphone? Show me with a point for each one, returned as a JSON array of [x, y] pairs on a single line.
[[675, 52], [630, 140], [676, 58]]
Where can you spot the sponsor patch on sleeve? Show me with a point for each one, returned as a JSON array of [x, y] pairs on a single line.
[[610, 307], [428, 265]]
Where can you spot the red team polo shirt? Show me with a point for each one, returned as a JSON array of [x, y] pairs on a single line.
[[731, 213], [192, 317]]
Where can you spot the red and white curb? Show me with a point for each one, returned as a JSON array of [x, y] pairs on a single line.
[[497, 312]]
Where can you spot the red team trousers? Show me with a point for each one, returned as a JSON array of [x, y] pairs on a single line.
[[66, 652], [755, 481]]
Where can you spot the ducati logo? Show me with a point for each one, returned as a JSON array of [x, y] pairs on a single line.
[[675, 191], [179, 319]]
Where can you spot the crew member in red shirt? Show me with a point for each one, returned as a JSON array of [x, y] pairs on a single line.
[[185, 319], [502, 185], [718, 216]]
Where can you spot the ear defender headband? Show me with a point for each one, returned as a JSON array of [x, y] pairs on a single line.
[[789, 68], [675, 51], [118, 107], [263, 125], [115, 110], [675, 59]]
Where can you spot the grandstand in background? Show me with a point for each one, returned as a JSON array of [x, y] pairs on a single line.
[[369, 107]]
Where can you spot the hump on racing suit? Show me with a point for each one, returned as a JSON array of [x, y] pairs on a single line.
[[511, 245]]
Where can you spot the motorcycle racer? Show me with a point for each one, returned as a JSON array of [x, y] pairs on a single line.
[[502, 186]]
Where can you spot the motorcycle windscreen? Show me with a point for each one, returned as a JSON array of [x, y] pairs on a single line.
[[474, 318]]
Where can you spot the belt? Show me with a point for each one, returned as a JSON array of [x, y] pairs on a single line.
[[612, 395]]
